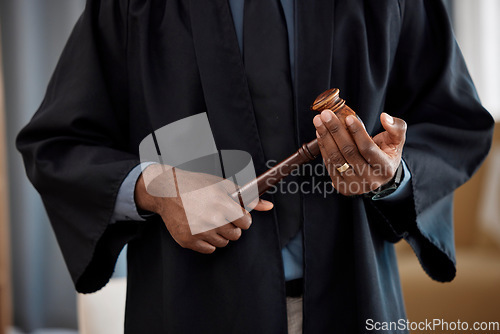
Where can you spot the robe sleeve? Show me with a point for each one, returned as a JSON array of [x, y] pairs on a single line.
[[449, 134], [75, 146]]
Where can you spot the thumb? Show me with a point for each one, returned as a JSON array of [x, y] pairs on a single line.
[[395, 127], [264, 205]]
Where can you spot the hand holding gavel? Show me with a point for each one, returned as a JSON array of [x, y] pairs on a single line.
[[356, 162], [329, 99]]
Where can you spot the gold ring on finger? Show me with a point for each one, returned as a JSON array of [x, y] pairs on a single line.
[[343, 168]]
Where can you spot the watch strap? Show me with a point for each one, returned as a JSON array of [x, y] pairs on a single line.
[[389, 187]]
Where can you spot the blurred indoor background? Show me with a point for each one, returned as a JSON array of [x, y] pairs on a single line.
[[36, 293]]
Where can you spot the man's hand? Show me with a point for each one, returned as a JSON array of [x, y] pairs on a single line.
[[373, 161], [210, 205]]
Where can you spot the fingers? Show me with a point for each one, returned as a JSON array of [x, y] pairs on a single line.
[[328, 147], [395, 127], [214, 239], [209, 241], [345, 144], [329, 161], [203, 247], [369, 163], [230, 232], [366, 146], [263, 205], [220, 236], [243, 222]]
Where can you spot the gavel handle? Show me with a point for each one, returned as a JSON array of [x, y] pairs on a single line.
[[306, 153]]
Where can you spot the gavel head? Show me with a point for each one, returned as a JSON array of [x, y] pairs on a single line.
[[331, 100]]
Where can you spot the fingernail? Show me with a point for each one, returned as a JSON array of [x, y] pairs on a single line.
[[326, 115], [349, 120], [317, 121], [270, 204], [389, 118]]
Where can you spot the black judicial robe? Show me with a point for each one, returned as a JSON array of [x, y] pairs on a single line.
[[131, 67]]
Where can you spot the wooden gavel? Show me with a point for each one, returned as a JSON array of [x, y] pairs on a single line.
[[306, 153]]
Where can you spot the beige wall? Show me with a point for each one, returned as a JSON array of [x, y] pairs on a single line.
[[467, 204]]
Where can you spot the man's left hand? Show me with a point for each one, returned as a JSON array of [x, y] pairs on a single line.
[[372, 162]]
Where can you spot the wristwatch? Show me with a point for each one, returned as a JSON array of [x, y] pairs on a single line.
[[389, 187]]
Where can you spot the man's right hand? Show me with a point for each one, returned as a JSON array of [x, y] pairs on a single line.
[[209, 206]]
